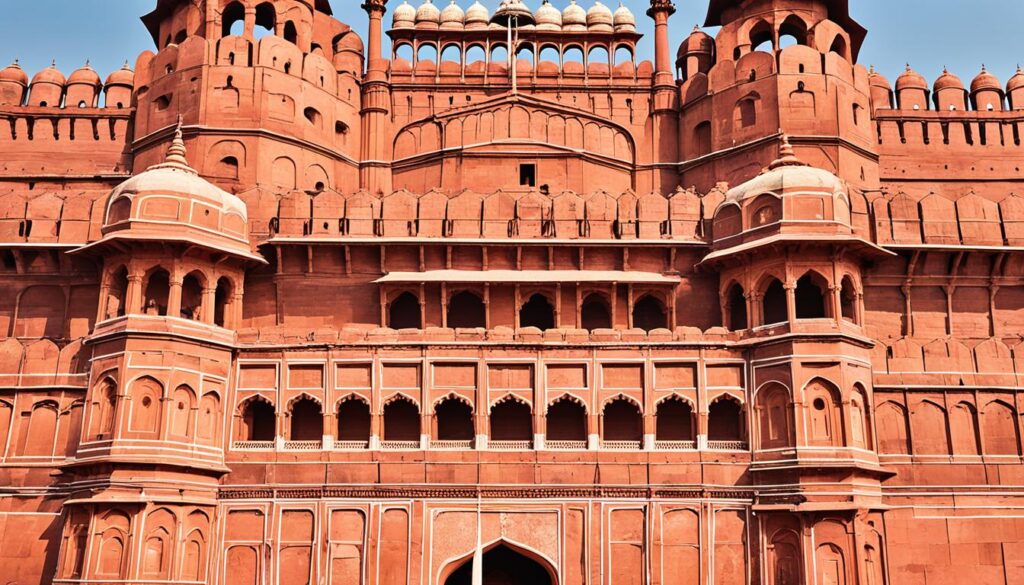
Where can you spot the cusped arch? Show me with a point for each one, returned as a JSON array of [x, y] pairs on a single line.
[[451, 565], [621, 396], [454, 397], [569, 397]]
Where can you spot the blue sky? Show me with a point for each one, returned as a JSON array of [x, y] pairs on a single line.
[[927, 33]]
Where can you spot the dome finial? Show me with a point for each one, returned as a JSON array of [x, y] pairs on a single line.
[[176, 152], [787, 158]]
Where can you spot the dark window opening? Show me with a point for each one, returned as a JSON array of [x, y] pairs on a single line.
[[404, 312], [774, 304], [594, 313], [567, 421], [622, 421], [266, 20], [537, 312], [848, 300], [117, 302], [313, 116], [737, 308], [191, 297], [810, 299], [233, 19], [454, 420], [162, 103], [501, 566], [511, 421], [528, 175], [401, 421], [157, 289], [180, 37], [258, 422], [222, 302], [649, 314], [725, 421], [353, 421], [291, 34], [674, 421], [307, 421], [466, 310]]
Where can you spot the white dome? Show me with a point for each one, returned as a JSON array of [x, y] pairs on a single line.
[[574, 17], [599, 17], [427, 14], [404, 16], [477, 16], [623, 19], [548, 17], [452, 16]]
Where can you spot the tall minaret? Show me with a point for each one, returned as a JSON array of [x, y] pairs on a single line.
[[375, 160], [660, 10], [665, 98]]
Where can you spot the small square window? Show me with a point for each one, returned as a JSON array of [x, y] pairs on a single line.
[[528, 175]]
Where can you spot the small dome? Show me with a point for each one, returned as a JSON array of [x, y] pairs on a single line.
[[698, 42], [206, 214], [84, 75], [14, 73], [948, 81], [548, 17], [427, 13], [1016, 82], [876, 79], [599, 17], [787, 172], [404, 16], [477, 16], [452, 16], [574, 17], [123, 76], [50, 75], [623, 19], [911, 79], [986, 81]]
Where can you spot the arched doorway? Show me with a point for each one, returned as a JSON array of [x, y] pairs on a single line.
[[503, 566]]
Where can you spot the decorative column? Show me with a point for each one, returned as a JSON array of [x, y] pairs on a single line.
[[790, 287], [208, 305], [134, 302], [174, 295], [660, 10], [375, 168]]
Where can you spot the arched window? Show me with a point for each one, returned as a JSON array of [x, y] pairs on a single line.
[[999, 429], [792, 32], [404, 52], [118, 295], [291, 34], [839, 47], [537, 312], [963, 429], [192, 296], [223, 302], [145, 398], [501, 564], [649, 314], [594, 313], [183, 408], [401, 421], [452, 54], [622, 421], [784, 558], [42, 430], [892, 429], [454, 420], [466, 310], [848, 300], [524, 52], [736, 308], [566, 421], [511, 420], [674, 420], [745, 115], [426, 53], [825, 421], [774, 303], [404, 312], [810, 297], [353, 420], [702, 138], [761, 37], [233, 20], [623, 54], [475, 54], [725, 420], [773, 417], [860, 429], [258, 423], [499, 55], [157, 289], [307, 422], [548, 53], [266, 20], [104, 405]]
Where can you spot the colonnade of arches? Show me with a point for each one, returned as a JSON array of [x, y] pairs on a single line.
[[191, 294], [468, 309], [256, 22], [510, 422], [771, 302]]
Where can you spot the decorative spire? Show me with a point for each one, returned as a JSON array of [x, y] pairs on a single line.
[[787, 158], [176, 152]]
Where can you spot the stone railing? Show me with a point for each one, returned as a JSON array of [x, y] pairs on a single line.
[[399, 445], [510, 445], [303, 445], [675, 445], [728, 446], [450, 445], [253, 445], [566, 445], [351, 445], [621, 445]]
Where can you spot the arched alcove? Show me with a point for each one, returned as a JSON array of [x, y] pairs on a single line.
[[594, 313], [118, 296], [466, 310], [223, 301], [736, 309], [649, 314], [810, 297], [307, 422], [233, 20], [848, 300], [353, 420], [191, 296], [824, 414], [266, 20], [725, 420], [157, 289], [258, 422], [675, 420], [454, 420], [404, 312], [566, 421], [537, 312], [773, 417], [511, 420], [773, 303], [503, 565], [401, 420], [622, 421]]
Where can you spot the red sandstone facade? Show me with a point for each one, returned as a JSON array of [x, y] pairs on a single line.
[[278, 310]]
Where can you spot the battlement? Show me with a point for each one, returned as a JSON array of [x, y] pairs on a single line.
[[947, 94]]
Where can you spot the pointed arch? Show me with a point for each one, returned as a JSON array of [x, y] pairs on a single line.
[[511, 419], [675, 418], [824, 419], [453, 418], [306, 418], [401, 418], [531, 566], [725, 418]]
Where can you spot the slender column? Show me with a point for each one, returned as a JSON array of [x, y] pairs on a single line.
[[209, 300], [174, 297], [790, 287], [660, 10], [134, 302]]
